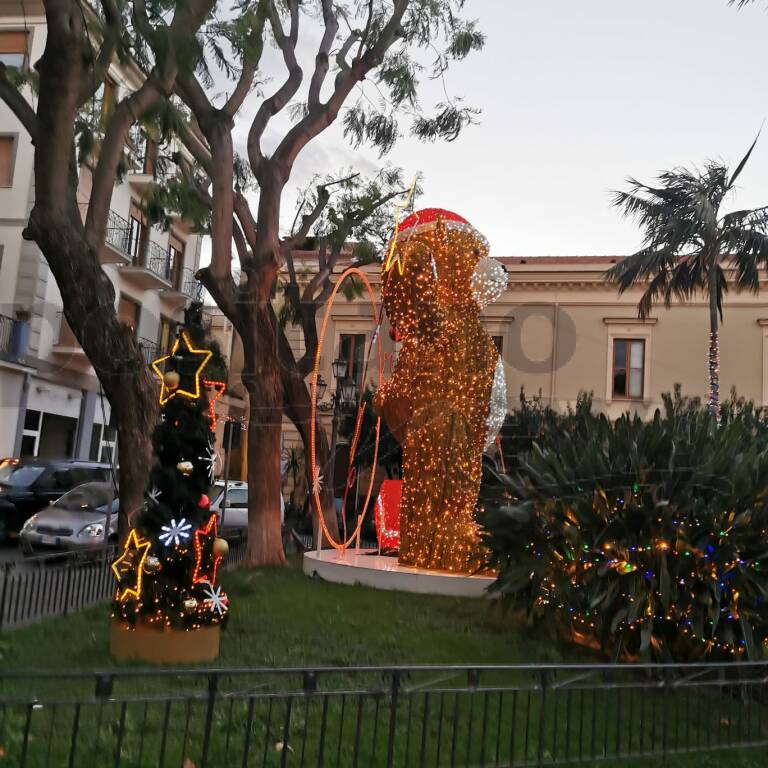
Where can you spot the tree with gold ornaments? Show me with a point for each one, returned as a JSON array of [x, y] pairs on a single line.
[[167, 572]]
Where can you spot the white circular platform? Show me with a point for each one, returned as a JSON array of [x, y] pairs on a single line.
[[372, 570]]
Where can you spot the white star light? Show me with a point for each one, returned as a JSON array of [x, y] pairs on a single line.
[[154, 494], [218, 599], [209, 459], [317, 482], [175, 532]]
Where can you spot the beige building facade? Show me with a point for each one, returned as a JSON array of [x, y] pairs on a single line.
[[563, 330]]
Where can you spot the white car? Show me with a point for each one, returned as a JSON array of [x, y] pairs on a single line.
[[233, 519]]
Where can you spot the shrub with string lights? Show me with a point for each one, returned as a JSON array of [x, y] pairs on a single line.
[[647, 538]]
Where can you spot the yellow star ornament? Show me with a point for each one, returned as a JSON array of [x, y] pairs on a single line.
[[167, 392], [131, 563]]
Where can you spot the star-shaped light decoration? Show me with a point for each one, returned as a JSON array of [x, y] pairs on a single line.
[[218, 390], [210, 460], [175, 532], [206, 560], [204, 355], [317, 482], [393, 257], [154, 494], [218, 599], [128, 568]]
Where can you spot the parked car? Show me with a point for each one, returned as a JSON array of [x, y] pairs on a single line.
[[233, 520], [84, 518], [28, 485]]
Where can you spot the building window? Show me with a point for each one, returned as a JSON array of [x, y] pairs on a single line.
[[499, 342], [352, 349], [31, 433], [166, 335], [14, 48], [128, 313], [7, 154], [628, 368], [136, 233], [176, 259]]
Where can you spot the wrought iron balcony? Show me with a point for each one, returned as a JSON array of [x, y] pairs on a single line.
[[150, 349], [119, 239], [14, 335]]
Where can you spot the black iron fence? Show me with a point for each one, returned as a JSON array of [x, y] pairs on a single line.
[[406, 716], [57, 584]]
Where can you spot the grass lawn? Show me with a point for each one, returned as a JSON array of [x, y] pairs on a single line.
[[280, 618]]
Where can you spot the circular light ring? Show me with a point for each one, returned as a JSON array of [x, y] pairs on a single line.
[[341, 546]]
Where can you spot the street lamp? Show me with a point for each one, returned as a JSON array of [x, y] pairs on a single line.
[[343, 398], [320, 387], [339, 366]]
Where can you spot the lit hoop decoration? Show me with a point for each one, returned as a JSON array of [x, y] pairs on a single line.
[[339, 546]]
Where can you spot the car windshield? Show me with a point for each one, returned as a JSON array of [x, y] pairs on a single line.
[[18, 477], [87, 497]]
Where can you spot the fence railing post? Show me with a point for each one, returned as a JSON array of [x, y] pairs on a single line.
[[213, 685], [67, 585], [394, 692], [542, 718], [4, 593]]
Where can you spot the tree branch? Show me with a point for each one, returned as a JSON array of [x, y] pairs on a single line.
[[317, 120], [321, 60], [16, 102], [251, 59], [275, 103], [95, 75]]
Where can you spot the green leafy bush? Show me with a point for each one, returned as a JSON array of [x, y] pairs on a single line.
[[649, 538]]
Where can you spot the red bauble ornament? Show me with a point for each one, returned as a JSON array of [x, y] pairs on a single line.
[[204, 502], [394, 334]]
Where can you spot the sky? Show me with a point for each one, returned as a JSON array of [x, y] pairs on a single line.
[[576, 95]]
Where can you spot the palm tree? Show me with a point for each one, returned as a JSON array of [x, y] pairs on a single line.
[[689, 245]]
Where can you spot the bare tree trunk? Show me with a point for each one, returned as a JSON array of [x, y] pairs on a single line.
[[714, 356], [88, 296], [261, 376]]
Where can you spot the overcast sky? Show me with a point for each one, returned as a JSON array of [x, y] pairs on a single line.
[[575, 96]]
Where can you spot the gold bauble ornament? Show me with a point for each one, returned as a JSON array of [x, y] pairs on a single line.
[[220, 547], [190, 605], [185, 467], [151, 564], [172, 380]]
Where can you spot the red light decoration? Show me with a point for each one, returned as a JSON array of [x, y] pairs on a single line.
[[203, 541], [203, 502], [388, 514], [218, 390]]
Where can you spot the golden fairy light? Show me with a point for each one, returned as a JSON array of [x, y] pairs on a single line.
[[438, 399]]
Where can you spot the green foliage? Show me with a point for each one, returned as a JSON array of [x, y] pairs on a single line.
[[649, 538], [390, 452]]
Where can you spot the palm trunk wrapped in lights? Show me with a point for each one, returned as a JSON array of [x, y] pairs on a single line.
[[714, 374]]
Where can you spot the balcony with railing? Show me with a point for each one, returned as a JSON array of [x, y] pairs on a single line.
[[154, 270], [184, 286], [14, 338], [149, 349], [118, 243]]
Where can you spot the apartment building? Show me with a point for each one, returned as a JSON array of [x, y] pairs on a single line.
[[49, 395]]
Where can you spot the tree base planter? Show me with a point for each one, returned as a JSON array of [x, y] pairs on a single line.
[[171, 646]]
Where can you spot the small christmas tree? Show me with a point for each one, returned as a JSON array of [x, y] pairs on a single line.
[[167, 571]]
